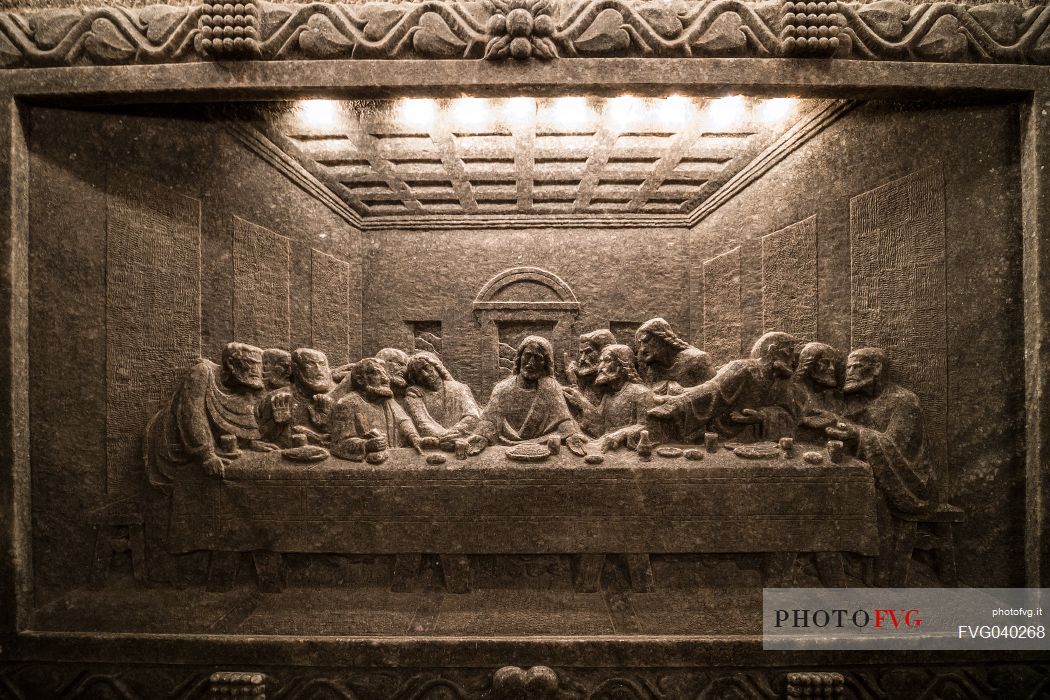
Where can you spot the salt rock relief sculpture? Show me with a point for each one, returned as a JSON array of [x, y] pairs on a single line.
[[582, 372], [668, 362], [368, 420], [523, 30], [440, 407], [757, 407], [529, 405], [303, 407], [209, 418]]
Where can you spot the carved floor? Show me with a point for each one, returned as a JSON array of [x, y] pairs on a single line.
[[716, 596], [378, 612]]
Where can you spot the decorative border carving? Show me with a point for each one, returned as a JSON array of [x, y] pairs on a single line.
[[136, 682], [525, 29]]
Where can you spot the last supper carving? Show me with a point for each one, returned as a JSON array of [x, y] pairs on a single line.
[[501, 387]]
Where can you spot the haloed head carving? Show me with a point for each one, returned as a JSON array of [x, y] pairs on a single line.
[[864, 368], [276, 368], [535, 358], [396, 362], [369, 376], [242, 366], [426, 370], [591, 345], [776, 351], [616, 364], [821, 364], [310, 370]]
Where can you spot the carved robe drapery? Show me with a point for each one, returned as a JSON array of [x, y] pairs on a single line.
[[188, 428], [515, 414], [690, 368], [452, 407], [890, 439], [614, 411], [738, 385], [355, 417]]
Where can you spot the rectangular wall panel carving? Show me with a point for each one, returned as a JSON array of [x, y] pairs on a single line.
[[261, 283], [330, 306], [153, 312], [722, 320], [789, 280], [898, 286]]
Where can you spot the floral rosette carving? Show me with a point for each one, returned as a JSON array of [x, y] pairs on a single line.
[[520, 29]]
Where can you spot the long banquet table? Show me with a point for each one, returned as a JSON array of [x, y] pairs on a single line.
[[490, 505]]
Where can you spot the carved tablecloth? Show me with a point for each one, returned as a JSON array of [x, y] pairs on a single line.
[[488, 504]]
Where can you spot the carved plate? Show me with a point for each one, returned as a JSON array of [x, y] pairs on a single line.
[[306, 453], [758, 450], [529, 452]]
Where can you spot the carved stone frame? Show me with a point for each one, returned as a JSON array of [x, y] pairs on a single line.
[[359, 78]]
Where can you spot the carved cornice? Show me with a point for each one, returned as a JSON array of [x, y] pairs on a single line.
[[808, 127], [262, 145], [521, 30]]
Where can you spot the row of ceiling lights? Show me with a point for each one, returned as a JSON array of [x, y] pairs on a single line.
[[564, 113]]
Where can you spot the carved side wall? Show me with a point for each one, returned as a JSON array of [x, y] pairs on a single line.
[[153, 311], [898, 299], [119, 272], [975, 293], [261, 286], [789, 279], [722, 313], [330, 306]]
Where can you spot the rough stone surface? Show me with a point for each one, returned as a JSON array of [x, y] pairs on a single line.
[[158, 234]]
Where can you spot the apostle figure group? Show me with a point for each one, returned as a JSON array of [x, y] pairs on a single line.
[[266, 400]]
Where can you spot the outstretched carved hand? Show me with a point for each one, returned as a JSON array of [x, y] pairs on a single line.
[[281, 406], [842, 431], [819, 419], [573, 396], [619, 438], [260, 446], [376, 444], [664, 411], [215, 466], [747, 416], [575, 444], [447, 441], [425, 443], [476, 444], [321, 408], [570, 369]]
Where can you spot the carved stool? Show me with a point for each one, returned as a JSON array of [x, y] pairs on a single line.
[[828, 686], [938, 539], [118, 529]]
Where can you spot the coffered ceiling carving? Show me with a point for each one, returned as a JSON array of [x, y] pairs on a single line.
[[525, 156]]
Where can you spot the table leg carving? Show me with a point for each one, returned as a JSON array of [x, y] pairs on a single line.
[[456, 568], [406, 569], [589, 572], [780, 569], [640, 569]]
